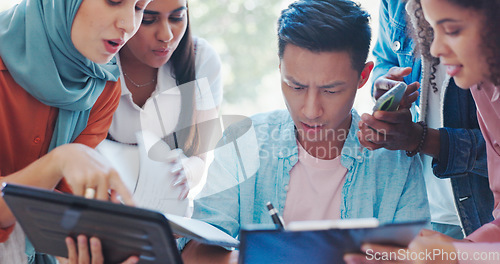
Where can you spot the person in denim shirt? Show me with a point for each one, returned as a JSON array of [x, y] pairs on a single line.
[[457, 149], [323, 46]]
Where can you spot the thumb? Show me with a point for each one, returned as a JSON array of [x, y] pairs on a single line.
[[398, 73]]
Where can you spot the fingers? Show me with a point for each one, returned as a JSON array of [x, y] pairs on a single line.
[[180, 181], [389, 80], [367, 138], [72, 254], [379, 125], [103, 186], [117, 185], [376, 254], [398, 73], [89, 193], [81, 256], [83, 249], [62, 260], [184, 193], [410, 96], [179, 177], [355, 259], [427, 232], [96, 250], [391, 130], [400, 116], [131, 260], [395, 75]]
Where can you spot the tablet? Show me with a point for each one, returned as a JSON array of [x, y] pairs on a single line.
[[269, 245], [49, 217]]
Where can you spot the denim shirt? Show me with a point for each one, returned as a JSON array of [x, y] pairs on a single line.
[[462, 155], [384, 184]]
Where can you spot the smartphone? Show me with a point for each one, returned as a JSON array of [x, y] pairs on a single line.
[[391, 99]]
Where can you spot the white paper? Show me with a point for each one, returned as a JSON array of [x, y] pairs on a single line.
[[199, 230], [154, 188], [124, 158], [333, 224]]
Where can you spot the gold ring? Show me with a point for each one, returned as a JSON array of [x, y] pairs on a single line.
[[89, 193]]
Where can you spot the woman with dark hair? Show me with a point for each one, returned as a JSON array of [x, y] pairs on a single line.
[[452, 148], [464, 36], [170, 82]]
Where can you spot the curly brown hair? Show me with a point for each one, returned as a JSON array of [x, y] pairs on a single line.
[[491, 35]]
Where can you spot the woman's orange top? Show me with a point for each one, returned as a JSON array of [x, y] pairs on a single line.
[[26, 127]]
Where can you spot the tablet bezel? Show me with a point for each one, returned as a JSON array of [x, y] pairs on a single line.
[[48, 217]]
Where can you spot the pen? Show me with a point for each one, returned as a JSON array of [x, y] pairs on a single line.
[[275, 216]]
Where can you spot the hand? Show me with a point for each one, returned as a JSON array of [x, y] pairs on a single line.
[[390, 130], [83, 168], [81, 255], [378, 254], [389, 80], [428, 247], [439, 245], [180, 178]]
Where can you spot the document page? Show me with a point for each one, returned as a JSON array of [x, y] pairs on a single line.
[[154, 188], [201, 231]]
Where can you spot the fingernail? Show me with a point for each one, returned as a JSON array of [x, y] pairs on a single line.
[[177, 182], [176, 168], [184, 194]]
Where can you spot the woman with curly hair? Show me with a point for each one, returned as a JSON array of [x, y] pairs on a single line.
[[464, 36]]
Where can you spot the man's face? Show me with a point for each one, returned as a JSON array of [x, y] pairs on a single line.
[[319, 90]]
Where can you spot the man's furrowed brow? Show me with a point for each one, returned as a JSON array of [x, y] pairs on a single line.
[[332, 85]]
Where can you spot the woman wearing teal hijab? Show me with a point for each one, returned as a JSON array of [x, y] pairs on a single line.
[[58, 86]]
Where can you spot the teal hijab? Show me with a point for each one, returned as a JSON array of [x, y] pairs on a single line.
[[36, 48]]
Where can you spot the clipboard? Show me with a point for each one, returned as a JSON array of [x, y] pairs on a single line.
[[48, 218], [266, 244]]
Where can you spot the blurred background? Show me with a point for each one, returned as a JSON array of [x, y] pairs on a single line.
[[243, 32]]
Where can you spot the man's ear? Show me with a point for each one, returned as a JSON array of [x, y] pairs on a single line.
[[365, 74]]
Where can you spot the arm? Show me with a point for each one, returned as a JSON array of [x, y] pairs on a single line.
[[463, 151], [82, 164], [382, 51], [75, 164], [208, 99], [490, 252], [487, 233]]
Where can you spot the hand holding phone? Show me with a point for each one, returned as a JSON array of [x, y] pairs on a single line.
[[391, 99]]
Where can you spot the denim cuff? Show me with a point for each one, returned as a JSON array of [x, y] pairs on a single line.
[[462, 151]]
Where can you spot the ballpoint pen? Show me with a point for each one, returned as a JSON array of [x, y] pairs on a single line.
[[277, 220]]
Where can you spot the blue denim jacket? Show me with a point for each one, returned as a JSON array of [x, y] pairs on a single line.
[[384, 184], [462, 154]]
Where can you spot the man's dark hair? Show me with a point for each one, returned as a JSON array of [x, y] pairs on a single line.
[[325, 26]]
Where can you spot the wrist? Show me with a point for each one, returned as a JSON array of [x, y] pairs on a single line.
[[415, 134], [53, 164], [423, 135]]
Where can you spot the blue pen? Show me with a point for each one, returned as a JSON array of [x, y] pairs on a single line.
[[277, 220]]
